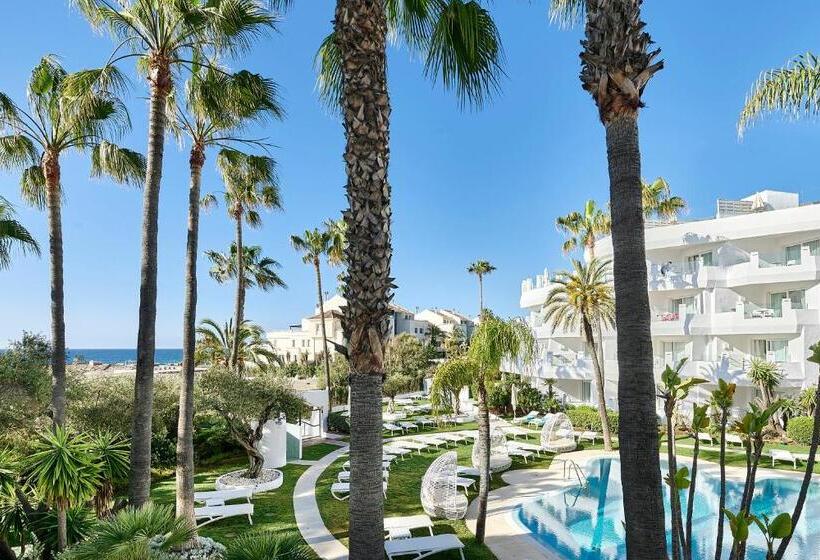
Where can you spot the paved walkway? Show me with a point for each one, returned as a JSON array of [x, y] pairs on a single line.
[[308, 519], [507, 539]]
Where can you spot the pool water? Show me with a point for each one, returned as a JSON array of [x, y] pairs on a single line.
[[586, 523]]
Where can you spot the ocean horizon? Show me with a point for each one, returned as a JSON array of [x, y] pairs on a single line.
[[122, 355]]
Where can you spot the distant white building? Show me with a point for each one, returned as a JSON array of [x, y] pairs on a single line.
[[448, 320], [303, 342], [742, 285]]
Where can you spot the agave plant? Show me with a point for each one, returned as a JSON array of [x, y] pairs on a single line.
[[268, 546], [146, 533]]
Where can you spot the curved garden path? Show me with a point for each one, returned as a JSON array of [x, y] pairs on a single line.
[[308, 518]]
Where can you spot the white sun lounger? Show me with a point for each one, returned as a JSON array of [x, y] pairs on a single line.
[[469, 434], [209, 514], [456, 438], [385, 465], [783, 455], [524, 419], [219, 497], [424, 421], [407, 426], [589, 436], [414, 445], [397, 450], [706, 436], [400, 527], [734, 438], [467, 471], [537, 449], [519, 452], [516, 431], [431, 440], [393, 428], [422, 547], [464, 483], [341, 490]]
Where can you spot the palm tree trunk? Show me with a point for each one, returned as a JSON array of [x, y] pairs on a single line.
[[480, 295], [589, 335], [6, 552], [185, 423], [674, 493], [637, 435], [690, 505], [62, 528], [807, 477], [239, 307], [724, 418], [139, 478], [361, 30], [51, 171], [318, 269], [484, 457]]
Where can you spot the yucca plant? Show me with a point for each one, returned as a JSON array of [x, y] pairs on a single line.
[[63, 472], [146, 533], [38, 134], [111, 453], [268, 546], [168, 39]]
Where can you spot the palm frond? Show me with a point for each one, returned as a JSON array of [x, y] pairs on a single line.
[[793, 90], [329, 75], [32, 186], [13, 234], [566, 13], [17, 150], [121, 164]]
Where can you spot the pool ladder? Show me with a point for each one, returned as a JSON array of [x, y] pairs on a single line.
[[572, 468]]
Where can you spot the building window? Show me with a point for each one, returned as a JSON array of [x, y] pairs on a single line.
[[772, 350], [673, 352], [586, 391], [814, 247], [797, 297], [688, 302]]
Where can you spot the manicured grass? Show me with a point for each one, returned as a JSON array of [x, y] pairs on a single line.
[[736, 455], [273, 511], [403, 492], [317, 451]]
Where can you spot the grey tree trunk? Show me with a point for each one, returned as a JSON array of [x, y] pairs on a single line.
[[318, 269], [361, 30], [480, 295], [690, 505], [185, 423], [62, 528], [638, 435], [51, 171], [589, 335], [139, 479], [674, 493], [807, 477], [724, 418], [239, 308], [484, 458]]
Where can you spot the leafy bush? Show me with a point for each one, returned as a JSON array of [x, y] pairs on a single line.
[[268, 546], [338, 424], [499, 396], [800, 429], [211, 437], [25, 386], [529, 398], [585, 417]]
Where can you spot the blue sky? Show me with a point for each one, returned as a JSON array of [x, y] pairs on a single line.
[[466, 185]]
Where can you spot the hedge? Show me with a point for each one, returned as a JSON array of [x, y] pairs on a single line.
[[800, 429], [585, 417], [337, 423]]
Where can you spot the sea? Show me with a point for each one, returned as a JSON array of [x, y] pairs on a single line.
[[122, 355]]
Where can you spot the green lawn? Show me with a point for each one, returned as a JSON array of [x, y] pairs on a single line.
[[317, 451], [273, 511], [736, 456], [403, 497]]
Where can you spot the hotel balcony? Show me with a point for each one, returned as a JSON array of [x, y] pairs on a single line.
[[750, 319], [731, 367]]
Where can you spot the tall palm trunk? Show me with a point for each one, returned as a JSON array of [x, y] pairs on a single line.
[[361, 30], [483, 443], [185, 423], [637, 432], [589, 335], [318, 269], [690, 505], [674, 492], [139, 479], [807, 477], [51, 171], [480, 295], [239, 307], [724, 419]]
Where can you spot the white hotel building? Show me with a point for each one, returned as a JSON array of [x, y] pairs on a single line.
[[722, 291]]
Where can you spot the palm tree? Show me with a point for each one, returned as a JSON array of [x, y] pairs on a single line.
[[216, 345], [131, 535], [793, 90], [13, 233], [494, 340], [56, 122], [167, 39], [111, 452], [721, 401], [616, 66], [584, 228], [582, 299], [480, 269], [251, 184], [313, 244], [216, 109], [459, 42], [260, 271], [767, 376], [659, 202], [62, 470]]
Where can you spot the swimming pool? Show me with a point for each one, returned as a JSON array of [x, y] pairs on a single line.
[[586, 523]]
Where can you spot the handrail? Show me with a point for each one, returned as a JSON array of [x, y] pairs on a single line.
[[577, 470]]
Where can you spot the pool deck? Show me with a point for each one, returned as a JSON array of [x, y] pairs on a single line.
[[507, 539]]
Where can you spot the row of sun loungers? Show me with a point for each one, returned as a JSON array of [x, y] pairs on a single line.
[[216, 508]]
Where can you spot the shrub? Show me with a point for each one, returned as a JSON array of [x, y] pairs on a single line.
[[338, 424], [25, 386], [800, 429], [499, 397], [212, 438], [529, 398], [585, 417]]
